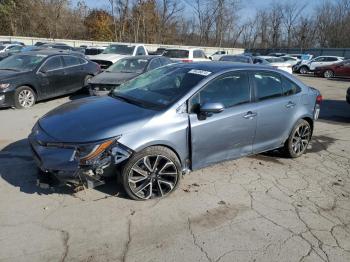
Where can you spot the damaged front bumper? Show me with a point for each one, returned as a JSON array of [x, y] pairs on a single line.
[[61, 163]]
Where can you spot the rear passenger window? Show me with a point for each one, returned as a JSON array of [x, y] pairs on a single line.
[[230, 90], [267, 85], [289, 87], [53, 63], [154, 64], [198, 54], [71, 61], [164, 61]]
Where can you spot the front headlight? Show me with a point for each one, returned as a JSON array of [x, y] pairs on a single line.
[[4, 86], [89, 153]]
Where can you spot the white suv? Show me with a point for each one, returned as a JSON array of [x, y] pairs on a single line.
[[319, 61], [186, 55], [115, 52]]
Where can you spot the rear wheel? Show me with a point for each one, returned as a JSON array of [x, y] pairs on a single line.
[[154, 172], [328, 74], [303, 70], [298, 139], [25, 97]]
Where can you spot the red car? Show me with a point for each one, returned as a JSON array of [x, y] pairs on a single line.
[[341, 69]]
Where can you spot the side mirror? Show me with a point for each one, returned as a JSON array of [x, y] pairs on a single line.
[[213, 108]]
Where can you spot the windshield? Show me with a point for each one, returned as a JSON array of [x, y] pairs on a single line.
[[2, 47], [129, 65], [21, 62], [274, 60], [176, 53], [238, 59], [119, 49], [160, 87], [306, 57]]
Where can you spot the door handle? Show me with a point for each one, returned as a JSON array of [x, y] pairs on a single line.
[[250, 115], [290, 104]]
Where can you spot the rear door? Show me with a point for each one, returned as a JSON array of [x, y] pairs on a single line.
[[75, 73], [224, 135], [277, 100], [343, 69], [52, 77]]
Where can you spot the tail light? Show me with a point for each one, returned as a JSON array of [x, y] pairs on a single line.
[[319, 99], [186, 60]]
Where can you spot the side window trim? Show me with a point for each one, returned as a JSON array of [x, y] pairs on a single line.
[[45, 62]]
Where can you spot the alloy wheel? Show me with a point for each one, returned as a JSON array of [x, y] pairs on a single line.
[[303, 70], [153, 176], [328, 74], [301, 138], [26, 98]]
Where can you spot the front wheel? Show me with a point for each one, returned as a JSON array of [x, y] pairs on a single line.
[[328, 74], [154, 172], [24, 97], [298, 139], [303, 70]]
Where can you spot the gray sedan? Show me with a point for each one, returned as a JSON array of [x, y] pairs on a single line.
[[172, 120]]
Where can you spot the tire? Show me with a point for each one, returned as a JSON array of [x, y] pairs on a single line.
[[86, 80], [298, 139], [154, 172], [303, 70], [24, 97], [328, 74], [85, 88]]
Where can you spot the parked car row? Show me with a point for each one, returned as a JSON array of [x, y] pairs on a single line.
[[29, 77], [24, 79]]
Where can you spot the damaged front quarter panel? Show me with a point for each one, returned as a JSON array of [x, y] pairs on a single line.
[[85, 164]]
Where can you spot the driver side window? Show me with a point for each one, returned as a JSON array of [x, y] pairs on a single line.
[[229, 90]]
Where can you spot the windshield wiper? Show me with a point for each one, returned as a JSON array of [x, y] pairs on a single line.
[[10, 69]]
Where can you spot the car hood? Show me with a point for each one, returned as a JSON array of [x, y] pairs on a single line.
[[4, 74], [111, 78], [108, 57], [93, 118]]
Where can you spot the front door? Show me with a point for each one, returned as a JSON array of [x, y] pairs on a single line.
[[224, 135], [52, 77]]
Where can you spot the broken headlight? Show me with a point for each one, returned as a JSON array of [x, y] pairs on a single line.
[[88, 154]]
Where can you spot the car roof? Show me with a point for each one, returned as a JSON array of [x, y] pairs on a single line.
[[218, 66], [51, 52], [146, 57], [185, 49]]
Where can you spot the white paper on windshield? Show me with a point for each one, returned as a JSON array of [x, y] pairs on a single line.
[[199, 72]]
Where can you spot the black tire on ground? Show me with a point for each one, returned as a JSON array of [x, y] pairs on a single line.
[[298, 139], [303, 70], [24, 97], [165, 177], [328, 74]]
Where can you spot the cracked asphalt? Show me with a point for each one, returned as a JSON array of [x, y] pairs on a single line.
[[259, 208]]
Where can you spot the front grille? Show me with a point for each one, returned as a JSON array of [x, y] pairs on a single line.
[[103, 87], [103, 63]]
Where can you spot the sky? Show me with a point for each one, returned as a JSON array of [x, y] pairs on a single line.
[[249, 7]]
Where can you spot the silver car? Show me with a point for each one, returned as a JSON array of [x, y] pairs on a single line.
[[172, 120]]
